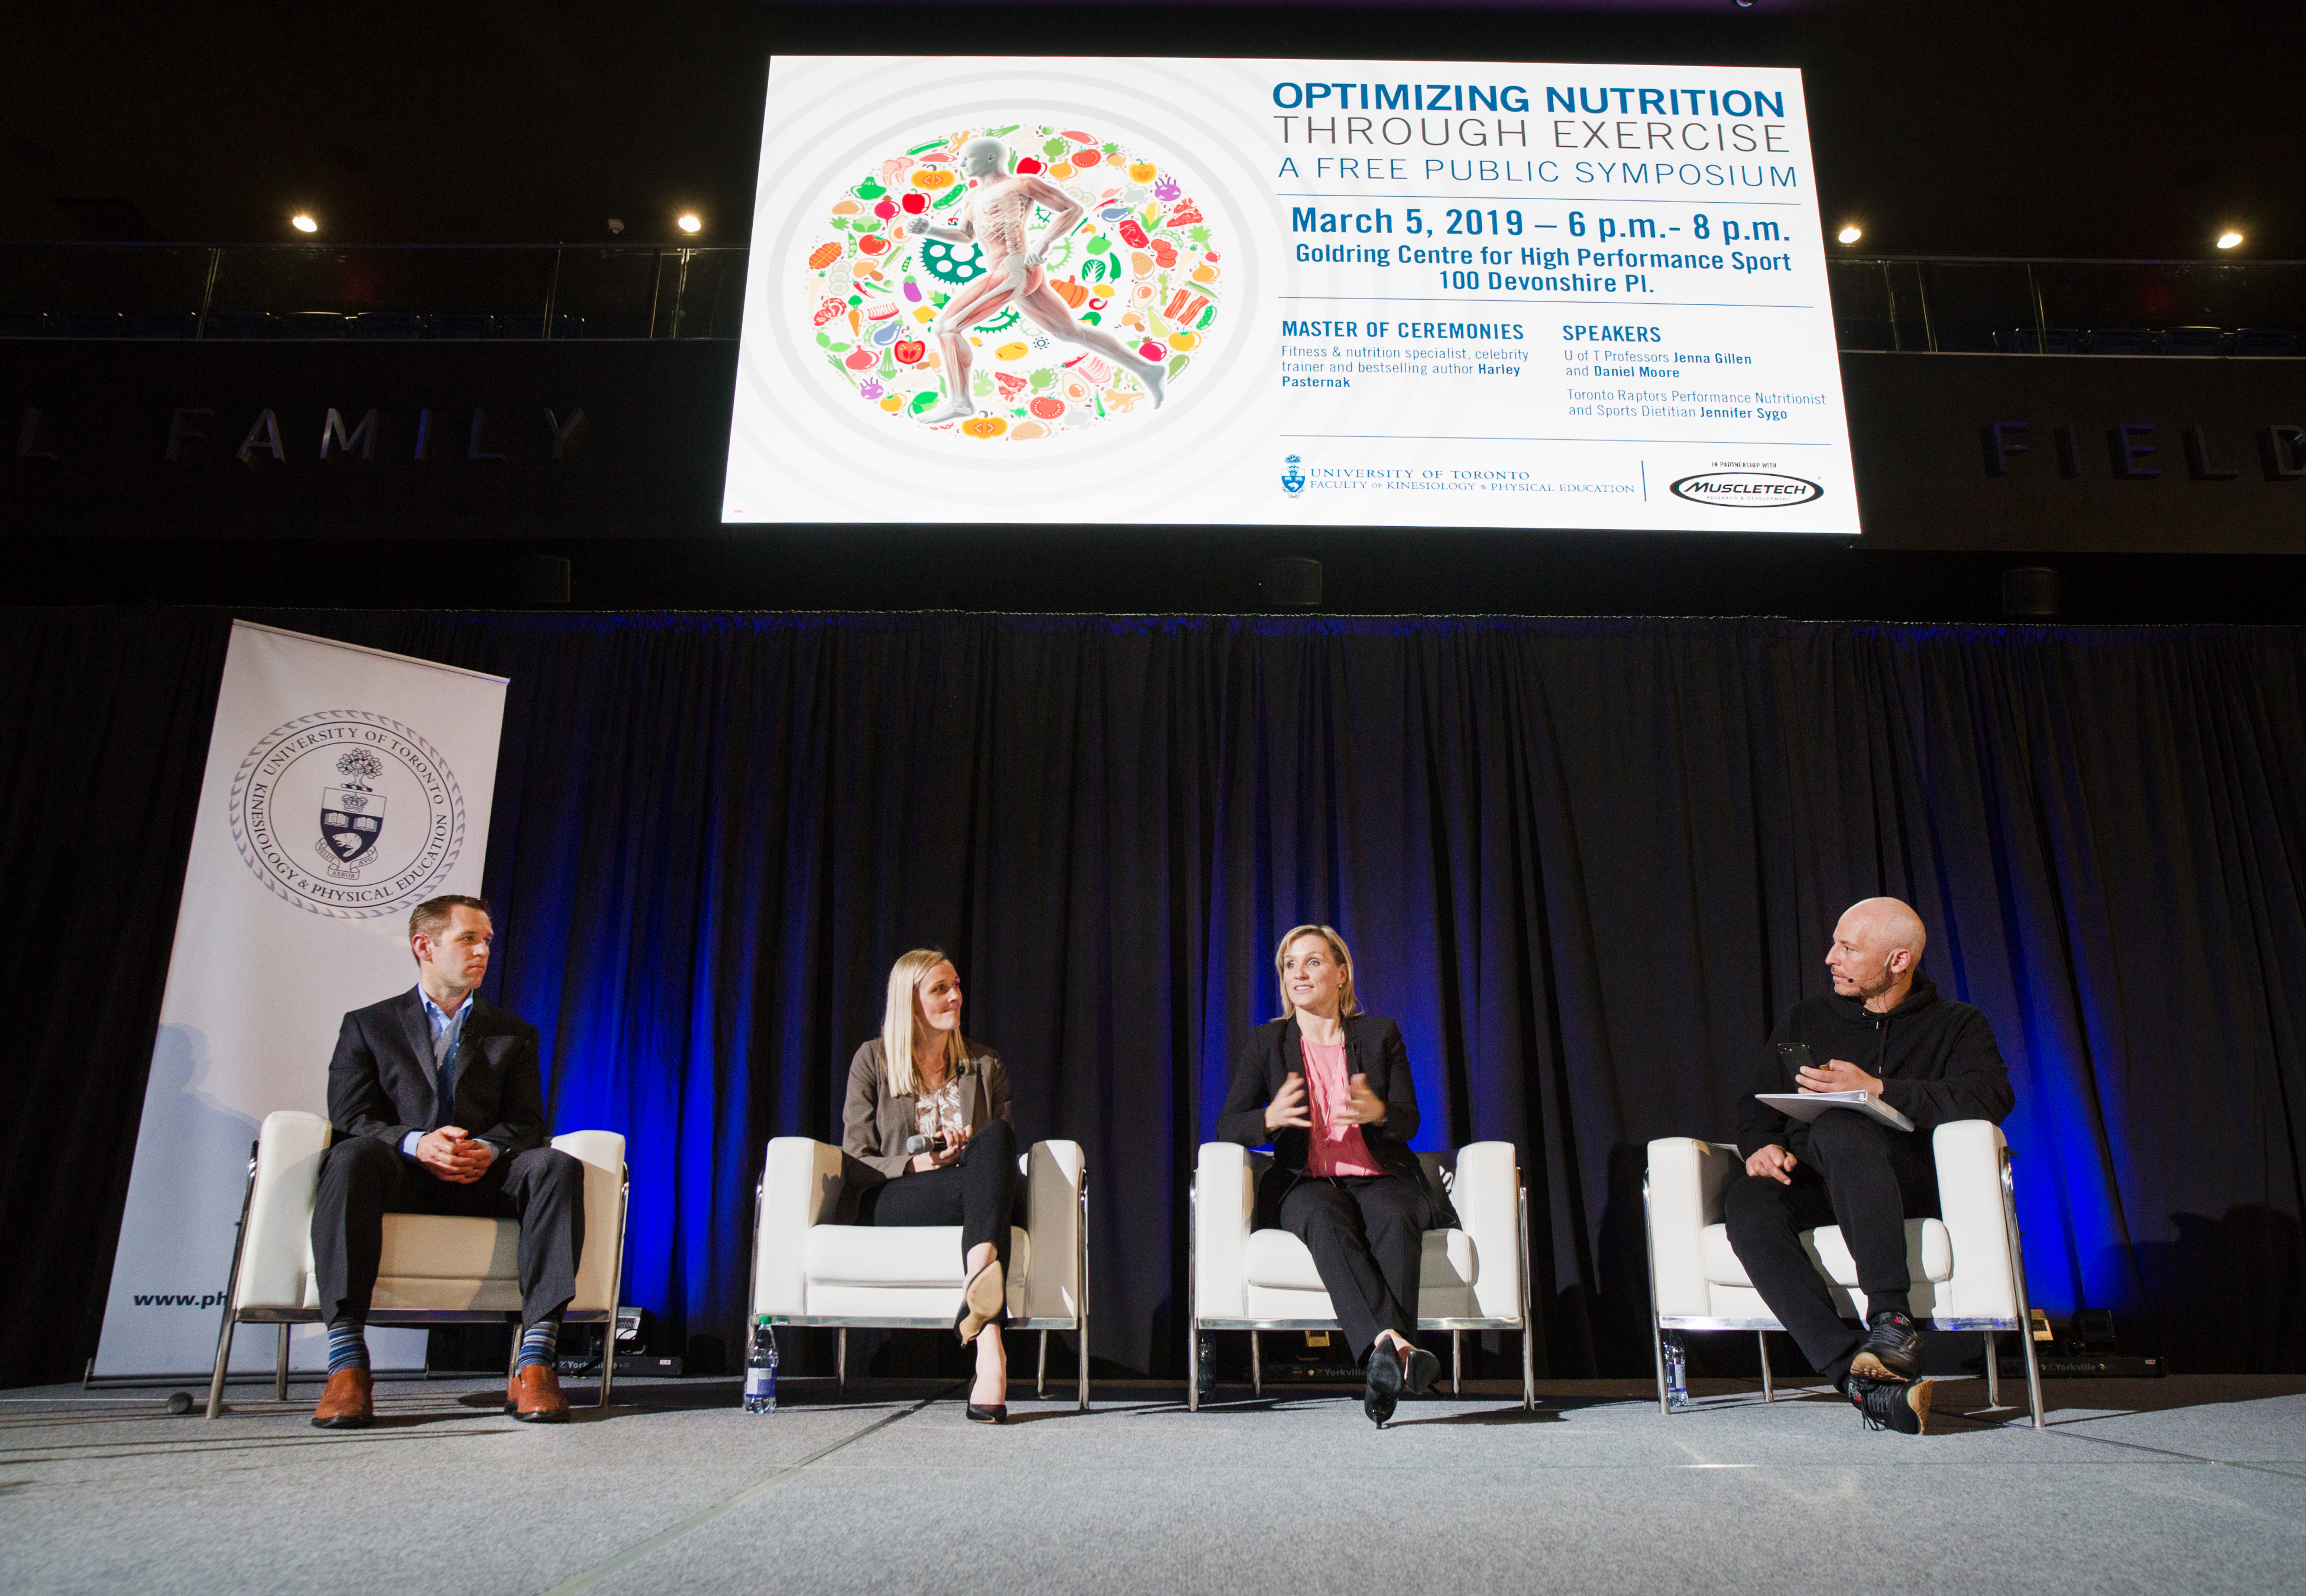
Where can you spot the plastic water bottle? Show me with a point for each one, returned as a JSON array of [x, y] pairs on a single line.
[[1677, 1371], [761, 1373]]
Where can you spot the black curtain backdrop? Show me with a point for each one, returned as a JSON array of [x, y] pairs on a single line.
[[1584, 864]]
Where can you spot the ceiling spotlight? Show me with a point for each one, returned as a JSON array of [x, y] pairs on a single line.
[[689, 222], [303, 223], [2229, 239], [616, 224], [1850, 235]]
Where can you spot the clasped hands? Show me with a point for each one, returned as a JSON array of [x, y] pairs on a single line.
[[1838, 1075], [453, 1156], [1289, 1107], [955, 1140]]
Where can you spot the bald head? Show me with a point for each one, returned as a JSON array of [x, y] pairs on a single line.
[[1888, 923], [1877, 945]]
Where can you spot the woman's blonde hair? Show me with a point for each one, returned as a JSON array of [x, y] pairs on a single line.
[[901, 1018], [1349, 1003]]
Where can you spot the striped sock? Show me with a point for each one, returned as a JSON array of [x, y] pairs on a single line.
[[348, 1344], [540, 1343]]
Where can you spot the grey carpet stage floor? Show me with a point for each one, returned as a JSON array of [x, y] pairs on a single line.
[[2186, 1484]]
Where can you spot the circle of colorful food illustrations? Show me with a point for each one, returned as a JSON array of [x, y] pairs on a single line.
[[1140, 264]]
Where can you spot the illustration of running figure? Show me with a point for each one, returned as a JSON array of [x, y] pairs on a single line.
[[993, 217]]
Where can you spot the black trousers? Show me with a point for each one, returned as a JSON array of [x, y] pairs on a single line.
[[363, 1179], [1856, 1172], [1367, 1236], [977, 1191]]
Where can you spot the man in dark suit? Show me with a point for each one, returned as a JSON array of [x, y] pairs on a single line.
[[1331, 1087], [409, 1075]]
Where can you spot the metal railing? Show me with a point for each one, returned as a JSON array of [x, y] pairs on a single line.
[[1941, 304], [308, 291], [1914, 303]]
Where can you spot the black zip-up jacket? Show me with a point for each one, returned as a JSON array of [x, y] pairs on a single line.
[[1935, 1058]]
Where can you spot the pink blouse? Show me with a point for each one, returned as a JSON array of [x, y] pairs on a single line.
[[1337, 1148]]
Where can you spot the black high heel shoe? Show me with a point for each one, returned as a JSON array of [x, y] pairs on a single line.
[[1423, 1370], [997, 1414], [1383, 1390]]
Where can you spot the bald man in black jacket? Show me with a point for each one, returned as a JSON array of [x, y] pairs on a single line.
[[1887, 1031]]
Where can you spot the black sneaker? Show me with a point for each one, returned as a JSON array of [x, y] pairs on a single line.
[[1893, 1350], [1892, 1404]]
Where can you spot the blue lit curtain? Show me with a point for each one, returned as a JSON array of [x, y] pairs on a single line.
[[1584, 863]]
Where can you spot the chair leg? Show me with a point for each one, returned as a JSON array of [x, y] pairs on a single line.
[[1256, 1366], [2034, 1380], [1528, 1345], [1080, 1311], [1192, 1301], [1457, 1363], [232, 1293], [1769, 1390], [224, 1358], [841, 1361], [280, 1368], [2018, 1283], [1992, 1373], [1041, 1371], [1649, 1242], [1657, 1351], [617, 1281]]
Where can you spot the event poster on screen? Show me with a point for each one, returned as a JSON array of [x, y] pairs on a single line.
[[1279, 293]]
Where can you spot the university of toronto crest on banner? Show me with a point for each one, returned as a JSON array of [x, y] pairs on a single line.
[[347, 770]]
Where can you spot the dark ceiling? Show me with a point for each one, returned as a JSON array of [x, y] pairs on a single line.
[[1960, 126]]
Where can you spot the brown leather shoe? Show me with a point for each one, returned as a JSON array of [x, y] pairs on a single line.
[[344, 1403], [532, 1395]]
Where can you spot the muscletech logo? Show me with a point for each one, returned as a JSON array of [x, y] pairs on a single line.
[[1748, 490], [1293, 481], [386, 817]]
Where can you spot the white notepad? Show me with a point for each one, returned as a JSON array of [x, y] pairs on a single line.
[[1807, 1107]]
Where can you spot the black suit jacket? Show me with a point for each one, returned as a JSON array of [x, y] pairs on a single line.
[[381, 1079], [1373, 1048]]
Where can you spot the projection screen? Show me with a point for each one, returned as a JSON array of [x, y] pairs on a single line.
[[1274, 293]]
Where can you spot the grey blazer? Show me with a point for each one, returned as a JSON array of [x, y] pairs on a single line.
[[874, 1122]]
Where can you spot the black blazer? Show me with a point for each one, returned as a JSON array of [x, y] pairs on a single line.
[[1373, 1048], [381, 1079]]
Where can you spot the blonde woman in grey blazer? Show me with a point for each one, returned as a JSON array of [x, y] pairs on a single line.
[[926, 1130]]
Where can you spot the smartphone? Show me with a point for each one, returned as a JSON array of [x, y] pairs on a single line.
[[1795, 1055]]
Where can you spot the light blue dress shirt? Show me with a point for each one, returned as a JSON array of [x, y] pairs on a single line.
[[448, 1037]]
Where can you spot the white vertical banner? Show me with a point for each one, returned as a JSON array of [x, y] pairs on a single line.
[[343, 787]]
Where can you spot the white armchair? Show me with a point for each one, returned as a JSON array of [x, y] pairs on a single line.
[[1968, 1270], [436, 1269], [1473, 1278], [809, 1271]]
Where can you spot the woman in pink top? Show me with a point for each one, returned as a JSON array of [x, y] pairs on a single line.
[[1331, 1087]]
